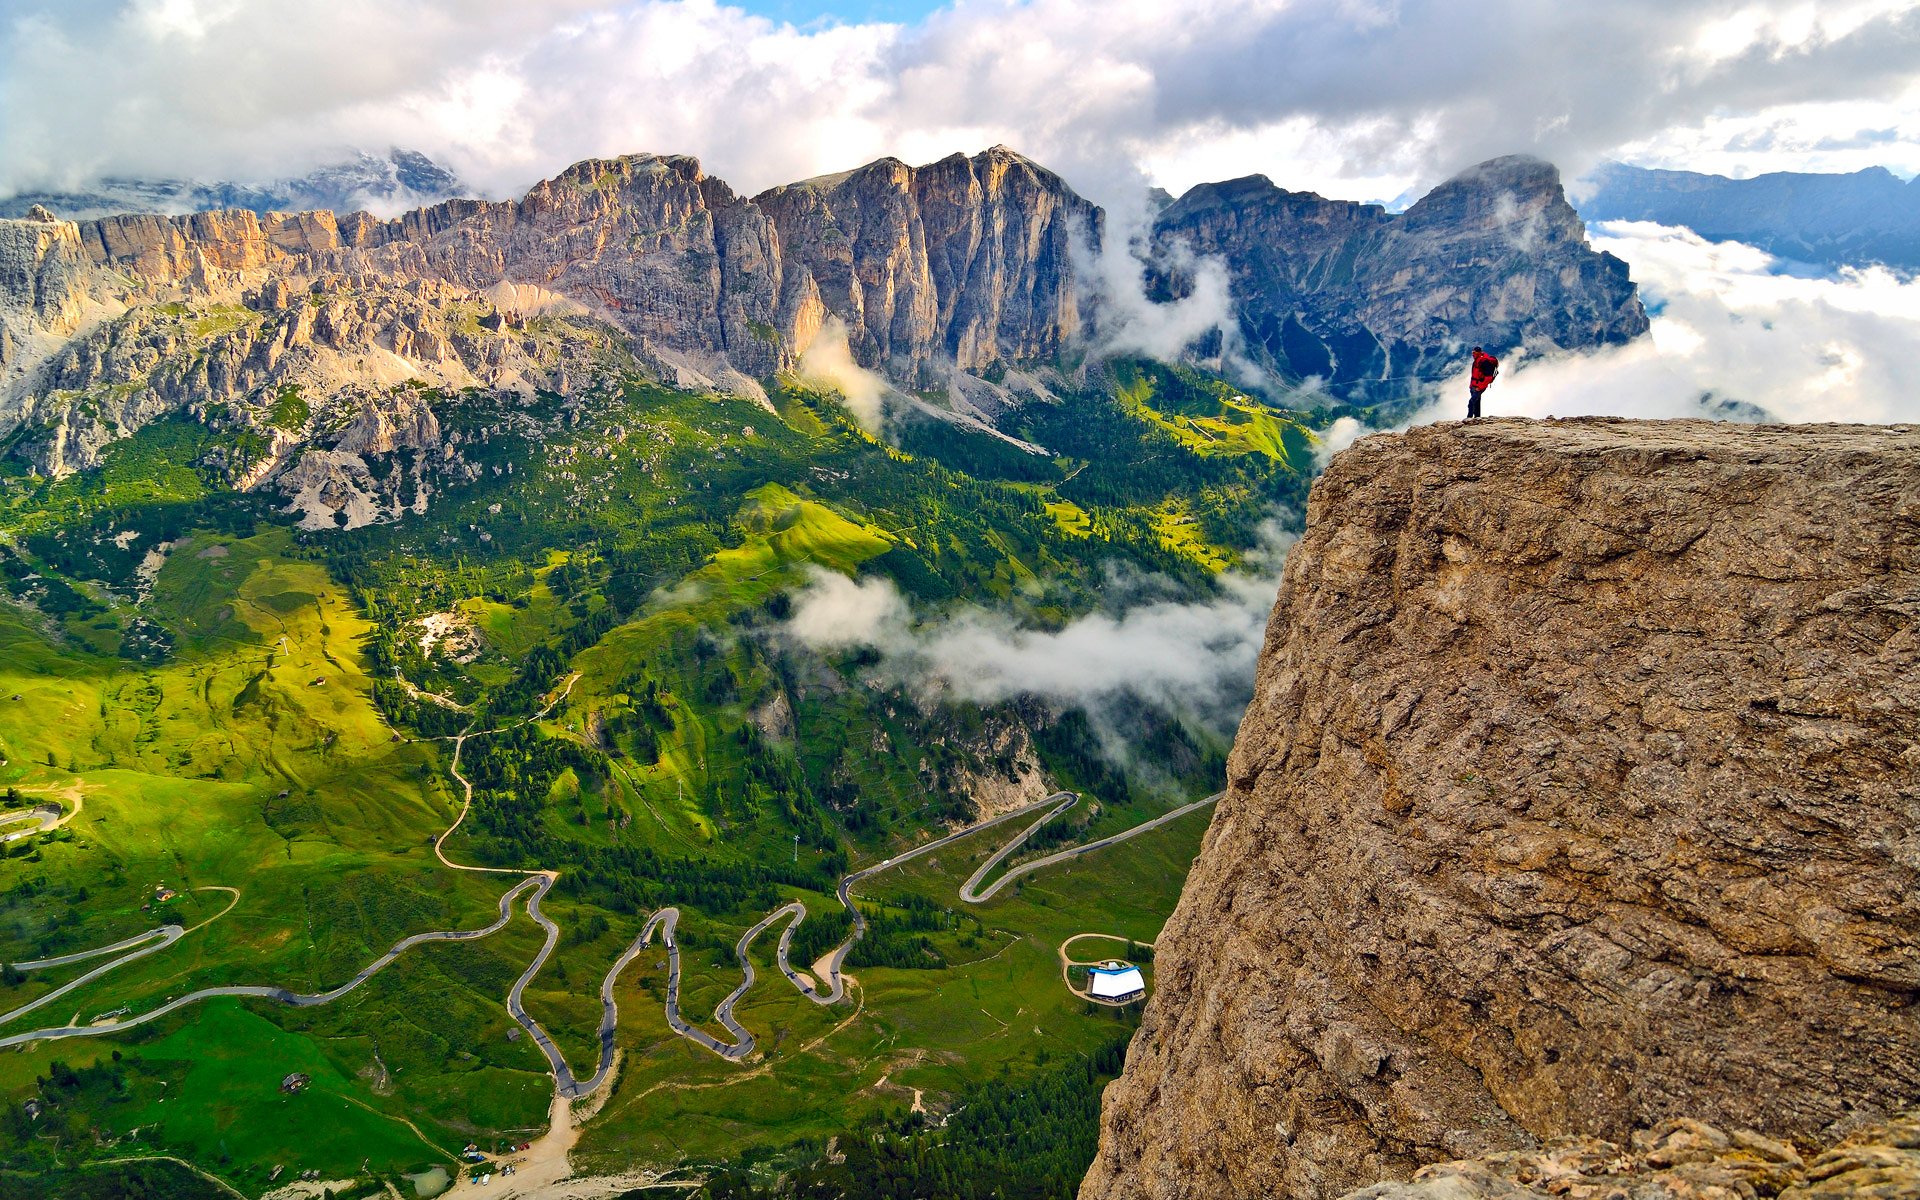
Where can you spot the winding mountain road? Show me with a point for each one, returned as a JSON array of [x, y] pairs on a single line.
[[47, 816], [280, 994], [535, 885], [796, 912]]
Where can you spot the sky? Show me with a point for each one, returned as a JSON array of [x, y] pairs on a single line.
[[1360, 99]]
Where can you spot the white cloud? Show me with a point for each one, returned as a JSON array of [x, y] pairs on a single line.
[[1348, 97], [1115, 284], [828, 363], [1192, 658], [1729, 326]]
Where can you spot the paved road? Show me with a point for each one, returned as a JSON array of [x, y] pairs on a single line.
[[48, 816], [667, 919], [151, 941], [796, 911], [1057, 803], [280, 994], [969, 892]]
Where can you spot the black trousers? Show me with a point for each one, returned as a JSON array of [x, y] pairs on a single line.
[[1473, 403]]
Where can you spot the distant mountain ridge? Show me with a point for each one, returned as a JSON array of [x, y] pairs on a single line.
[[1857, 219], [964, 276], [1375, 303], [397, 179]]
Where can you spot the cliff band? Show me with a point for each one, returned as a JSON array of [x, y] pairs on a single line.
[[965, 276], [1580, 793]]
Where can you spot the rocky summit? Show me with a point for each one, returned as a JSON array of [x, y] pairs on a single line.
[[1577, 799], [1373, 302]]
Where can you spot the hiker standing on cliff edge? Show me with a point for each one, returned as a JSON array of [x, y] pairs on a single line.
[[1485, 367]]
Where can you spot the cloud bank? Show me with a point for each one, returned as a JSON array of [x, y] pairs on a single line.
[[1734, 331], [1363, 98], [1194, 659]]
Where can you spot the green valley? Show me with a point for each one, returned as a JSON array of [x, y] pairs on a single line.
[[249, 725]]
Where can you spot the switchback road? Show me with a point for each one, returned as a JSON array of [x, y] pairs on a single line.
[[535, 885]]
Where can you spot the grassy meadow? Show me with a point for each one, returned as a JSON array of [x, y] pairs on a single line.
[[250, 727]]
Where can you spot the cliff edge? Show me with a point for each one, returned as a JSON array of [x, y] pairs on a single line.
[[1580, 794]]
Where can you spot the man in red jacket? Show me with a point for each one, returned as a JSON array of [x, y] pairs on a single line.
[[1485, 367]]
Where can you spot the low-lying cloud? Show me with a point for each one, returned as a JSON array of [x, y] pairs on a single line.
[[1736, 332], [1114, 285], [828, 363], [1194, 659]]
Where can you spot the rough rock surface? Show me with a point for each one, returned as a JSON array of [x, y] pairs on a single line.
[[1580, 792], [45, 279], [1357, 296], [1680, 1160], [346, 347], [964, 261]]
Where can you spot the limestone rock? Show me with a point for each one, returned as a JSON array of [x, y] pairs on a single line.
[[1680, 1160], [1579, 794], [1368, 300], [965, 261], [45, 285]]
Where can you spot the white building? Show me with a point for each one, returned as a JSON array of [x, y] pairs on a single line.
[[1116, 982]]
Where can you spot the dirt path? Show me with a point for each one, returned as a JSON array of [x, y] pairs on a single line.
[[215, 1180], [216, 887], [50, 816]]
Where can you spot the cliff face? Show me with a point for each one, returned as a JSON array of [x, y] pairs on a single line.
[[1495, 256], [964, 261], [1580, 792], [1681, 1159], [44, 286]]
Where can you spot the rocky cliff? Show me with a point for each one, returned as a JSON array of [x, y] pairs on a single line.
[[45, 288], [1580, 793], [965, 261], [1373, 302]]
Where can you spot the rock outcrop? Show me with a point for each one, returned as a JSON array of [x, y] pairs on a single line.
[[1680, 1160], [45, 287], [966, 261], [1580, 793], [1373, 303]]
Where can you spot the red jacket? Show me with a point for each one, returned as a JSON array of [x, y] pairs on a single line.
[[1485, 367]]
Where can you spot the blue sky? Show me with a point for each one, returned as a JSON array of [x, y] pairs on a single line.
[[806, 12]]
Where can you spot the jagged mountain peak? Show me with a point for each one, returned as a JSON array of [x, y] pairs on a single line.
[[1377, 304], [1246, 191], [965, 264]]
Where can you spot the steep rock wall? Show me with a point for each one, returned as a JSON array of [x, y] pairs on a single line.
[[1581, 791], [1376, 303], [964, 261]]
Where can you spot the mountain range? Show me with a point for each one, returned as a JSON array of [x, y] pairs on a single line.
[[965, 280], [1866, 217]]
